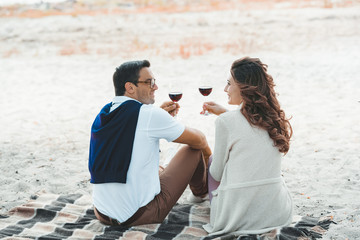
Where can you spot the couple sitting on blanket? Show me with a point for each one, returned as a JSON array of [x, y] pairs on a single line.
[[242, 176]]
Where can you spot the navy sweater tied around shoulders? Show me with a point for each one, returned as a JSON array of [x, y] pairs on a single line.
[[111, 142]]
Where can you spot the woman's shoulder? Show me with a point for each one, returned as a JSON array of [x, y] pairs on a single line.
[[233, 115], [234, 121], [230, 120]]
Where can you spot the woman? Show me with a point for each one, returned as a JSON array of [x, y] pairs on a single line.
[[252, 197]]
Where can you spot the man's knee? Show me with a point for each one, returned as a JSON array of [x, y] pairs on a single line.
[[190, 151]]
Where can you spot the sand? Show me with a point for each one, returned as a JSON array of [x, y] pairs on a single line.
[[56, 74]]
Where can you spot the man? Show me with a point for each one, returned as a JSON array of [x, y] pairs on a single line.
[[128, 188]]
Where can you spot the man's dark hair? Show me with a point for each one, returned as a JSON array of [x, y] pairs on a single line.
[[127, 72]]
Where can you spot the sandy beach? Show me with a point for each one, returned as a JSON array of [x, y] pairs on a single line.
[[57, 61]]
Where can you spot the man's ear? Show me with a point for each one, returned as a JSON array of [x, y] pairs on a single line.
[[129, 87]]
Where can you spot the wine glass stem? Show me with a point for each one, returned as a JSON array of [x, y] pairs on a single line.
[[175, 116], [206, 113]]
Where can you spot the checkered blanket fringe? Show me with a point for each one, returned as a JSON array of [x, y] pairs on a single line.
[[72, 217]]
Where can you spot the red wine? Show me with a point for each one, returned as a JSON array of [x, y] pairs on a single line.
[[205, 91], [175, 96]]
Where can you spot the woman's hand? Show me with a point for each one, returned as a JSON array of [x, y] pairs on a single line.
[[171, 107], [213, 108]]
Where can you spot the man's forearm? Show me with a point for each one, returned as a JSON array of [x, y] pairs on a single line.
[[193, 138]]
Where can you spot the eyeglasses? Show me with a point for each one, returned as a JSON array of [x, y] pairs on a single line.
[[152, 82]]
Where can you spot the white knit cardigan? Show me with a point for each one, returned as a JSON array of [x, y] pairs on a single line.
[[252, 197]]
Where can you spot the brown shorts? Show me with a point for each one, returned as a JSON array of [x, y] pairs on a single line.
[[187, 167]]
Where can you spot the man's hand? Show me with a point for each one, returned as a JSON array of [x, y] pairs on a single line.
[[171, 107]]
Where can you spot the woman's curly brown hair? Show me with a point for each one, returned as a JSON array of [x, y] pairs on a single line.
[[259, 103]]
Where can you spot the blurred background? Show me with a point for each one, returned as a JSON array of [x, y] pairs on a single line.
[[57, 59]]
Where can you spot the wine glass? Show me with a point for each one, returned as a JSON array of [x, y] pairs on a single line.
[[175, 97], [205, 91]]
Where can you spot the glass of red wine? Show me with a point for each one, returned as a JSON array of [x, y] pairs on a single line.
[[175, 97], [205, 91]]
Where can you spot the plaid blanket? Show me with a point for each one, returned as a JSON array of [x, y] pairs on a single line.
[[72, 217]]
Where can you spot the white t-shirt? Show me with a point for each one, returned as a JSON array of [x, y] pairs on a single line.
[[121, 201]]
